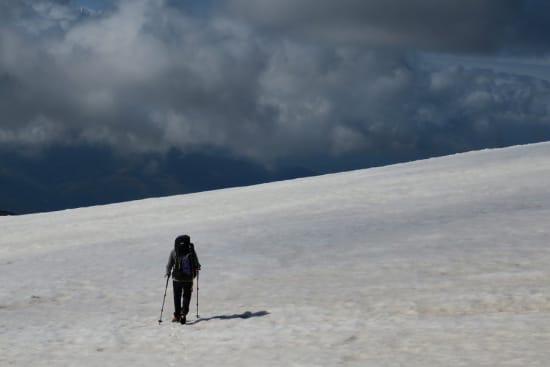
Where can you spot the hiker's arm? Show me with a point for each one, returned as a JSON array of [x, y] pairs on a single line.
[[198, 263], [170, 264], [196, 258]]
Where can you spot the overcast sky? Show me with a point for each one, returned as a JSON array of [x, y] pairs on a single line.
[[152, 89]]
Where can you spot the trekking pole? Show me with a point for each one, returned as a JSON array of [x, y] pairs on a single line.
[[198, 295], [164, 299]]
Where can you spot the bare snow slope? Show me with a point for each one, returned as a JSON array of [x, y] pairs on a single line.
[[442, 262]]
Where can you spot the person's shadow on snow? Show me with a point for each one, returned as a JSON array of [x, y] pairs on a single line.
[[245, 315]]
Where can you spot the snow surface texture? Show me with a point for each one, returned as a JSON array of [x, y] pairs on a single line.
[[442, 262]]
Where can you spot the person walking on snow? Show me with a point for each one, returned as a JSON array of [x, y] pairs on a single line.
[[184, 265]]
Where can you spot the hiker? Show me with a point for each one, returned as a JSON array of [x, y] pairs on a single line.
[[184, 265]]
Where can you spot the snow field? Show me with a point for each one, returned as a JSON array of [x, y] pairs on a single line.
[[429, 263]]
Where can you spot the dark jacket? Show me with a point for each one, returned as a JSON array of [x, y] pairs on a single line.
[[195, 266]]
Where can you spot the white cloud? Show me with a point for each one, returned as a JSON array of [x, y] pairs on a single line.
[[146, 77]]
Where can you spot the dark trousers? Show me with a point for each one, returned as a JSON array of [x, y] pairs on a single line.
[[181, 307]]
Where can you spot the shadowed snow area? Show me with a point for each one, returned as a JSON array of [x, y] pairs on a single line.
[[441, 262]]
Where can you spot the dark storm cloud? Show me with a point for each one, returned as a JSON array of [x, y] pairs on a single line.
[[452, 25], [144, 76]]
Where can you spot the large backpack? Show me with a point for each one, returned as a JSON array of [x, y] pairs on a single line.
[[183, 267], [186, 263]]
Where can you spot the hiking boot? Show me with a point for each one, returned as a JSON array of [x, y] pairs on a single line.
[[183, 320], [176, 318]]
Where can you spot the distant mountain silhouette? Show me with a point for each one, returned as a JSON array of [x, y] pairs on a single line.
[[96, 176]]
